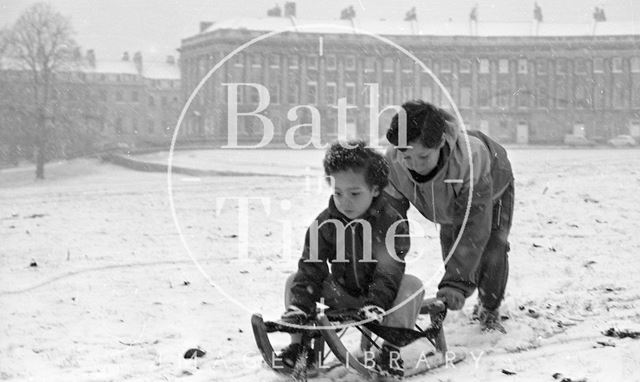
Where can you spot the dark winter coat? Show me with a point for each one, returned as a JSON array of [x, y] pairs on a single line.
[[377, 282], [444, 198]]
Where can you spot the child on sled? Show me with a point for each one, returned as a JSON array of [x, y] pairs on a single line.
[[355, 268]]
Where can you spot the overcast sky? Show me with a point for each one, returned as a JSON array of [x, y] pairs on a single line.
[[156, 27]]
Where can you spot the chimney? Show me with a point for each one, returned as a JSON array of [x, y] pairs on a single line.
[[276, 11], [125, 56], [137, 60], [171, 60], [204, 25], [348, 13], [290, 9], [91, 58]]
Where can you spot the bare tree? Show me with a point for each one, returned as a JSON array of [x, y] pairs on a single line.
[[41, 42]]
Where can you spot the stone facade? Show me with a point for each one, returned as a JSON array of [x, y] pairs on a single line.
[[528, 88]]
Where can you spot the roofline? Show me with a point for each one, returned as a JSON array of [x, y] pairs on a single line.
[[415, 30]]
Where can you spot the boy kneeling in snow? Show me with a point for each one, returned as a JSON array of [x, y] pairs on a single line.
[[365, 274]]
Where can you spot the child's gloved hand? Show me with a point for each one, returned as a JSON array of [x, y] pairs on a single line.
[[294, 315], [372, 312], [453, 298]]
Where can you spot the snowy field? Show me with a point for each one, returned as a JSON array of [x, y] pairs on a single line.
[[116, 296]]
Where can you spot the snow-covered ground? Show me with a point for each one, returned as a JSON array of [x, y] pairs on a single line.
[[116, 296]]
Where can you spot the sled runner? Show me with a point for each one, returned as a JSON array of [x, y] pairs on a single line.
[[419, 356]]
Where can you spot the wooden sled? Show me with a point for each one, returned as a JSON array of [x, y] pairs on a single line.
[[330, 326]]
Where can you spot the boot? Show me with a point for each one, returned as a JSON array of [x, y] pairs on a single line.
[[490, 320], [389, 363]]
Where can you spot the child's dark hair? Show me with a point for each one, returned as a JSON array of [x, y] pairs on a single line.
[[426, 124], [354, 155]]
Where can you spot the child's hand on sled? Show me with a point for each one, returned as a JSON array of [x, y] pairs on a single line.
[[453, 298], [294, 315], [372, 312]]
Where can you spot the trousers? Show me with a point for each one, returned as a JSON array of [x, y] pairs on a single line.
[[493, 270], [336, 297]]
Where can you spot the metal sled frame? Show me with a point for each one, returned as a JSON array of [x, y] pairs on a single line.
[[435, 334], [315, 339], [261, 334]]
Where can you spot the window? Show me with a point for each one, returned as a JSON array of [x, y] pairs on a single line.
[[561, 93], [619, 95], [292, 97], [312, 92], [163, 100], [484, 100], [465, 96], [465, 66], [238, 60], [274, 61], [350, 90], [616, 64], [331, 93], [523, 66], [388, 64], [256, 61], [582, 98], [445, 66], [274, 94], [103, 95], [387, 95], [367, 95], [580, 66], [312, 62], [369, 65], [598, 65], [254, 95], [523, 97], [350, 63], [599, 97], [426, 93], [444, 101], [331, 62], [134, 96], [503, 98], [542, 97], [503, 66], [293, 62], [407, 93], [541, 66], [635, 98], [635, 64], [119, 96], [202, 67], [484, 65], [407, 66], [152, 101], [240, 96], [561, 66]]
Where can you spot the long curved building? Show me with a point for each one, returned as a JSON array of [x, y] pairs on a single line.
[[525, 83]]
